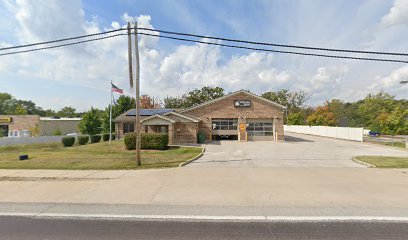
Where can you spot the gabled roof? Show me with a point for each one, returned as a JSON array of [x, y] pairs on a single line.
[[158, 116], [183, 116], [232, 94]]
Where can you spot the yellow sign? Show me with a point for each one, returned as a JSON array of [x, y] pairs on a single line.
[[6, 119], [242, 127]]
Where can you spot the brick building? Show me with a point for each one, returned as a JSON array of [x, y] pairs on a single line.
[[32, 125], [241, 116]]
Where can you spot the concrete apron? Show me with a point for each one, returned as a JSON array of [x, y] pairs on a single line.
[[217, 187]]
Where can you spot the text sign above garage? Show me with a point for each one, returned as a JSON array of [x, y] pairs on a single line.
[[242, 103]]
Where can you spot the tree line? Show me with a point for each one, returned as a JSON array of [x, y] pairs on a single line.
[[379, 112]]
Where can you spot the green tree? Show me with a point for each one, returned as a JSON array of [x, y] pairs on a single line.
[[297, 118], [67, 112], [4, 98], [322, 116], [91, 122], [294, 101], [393, 123], [194, 97], [123, 104], [198, 96], [10, 105], [174, 102]]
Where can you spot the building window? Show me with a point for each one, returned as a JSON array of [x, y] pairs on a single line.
[[128, 127], [260, 129], [225, 124]]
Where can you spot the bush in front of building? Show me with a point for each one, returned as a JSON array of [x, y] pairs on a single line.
[[68, 141], [96, 138], [83, 139], [105, 136], [156, 141]]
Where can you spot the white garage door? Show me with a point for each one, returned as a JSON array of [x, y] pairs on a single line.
[[260, 129]]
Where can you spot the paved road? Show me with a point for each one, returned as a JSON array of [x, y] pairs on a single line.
[[298, 150], [43, 228], [286, 187]]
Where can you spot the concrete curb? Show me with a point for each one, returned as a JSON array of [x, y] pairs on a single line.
[[194, 158], [363, 163]]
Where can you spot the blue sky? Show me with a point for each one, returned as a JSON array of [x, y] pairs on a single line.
[[79, 76]]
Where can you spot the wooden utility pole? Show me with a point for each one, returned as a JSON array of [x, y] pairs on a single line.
[[138, 133], [130, 55]]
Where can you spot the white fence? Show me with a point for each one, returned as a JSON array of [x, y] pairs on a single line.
[[354, 134], [28, 140]]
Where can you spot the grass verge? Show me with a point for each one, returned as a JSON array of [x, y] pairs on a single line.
[[395, 144], [385, 162], [91, 156]]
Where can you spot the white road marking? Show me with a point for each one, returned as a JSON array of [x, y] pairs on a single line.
[[214, 218]]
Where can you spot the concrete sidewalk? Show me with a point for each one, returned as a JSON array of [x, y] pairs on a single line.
[[252, 187]]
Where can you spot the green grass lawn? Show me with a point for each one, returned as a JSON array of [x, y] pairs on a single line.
[[385, 162], [91, 156], [395, 144]]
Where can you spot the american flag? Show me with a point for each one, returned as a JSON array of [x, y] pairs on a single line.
[[116, 89]]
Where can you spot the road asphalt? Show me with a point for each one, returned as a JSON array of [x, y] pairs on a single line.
[[65, 228], [298, 150], [300, 200]]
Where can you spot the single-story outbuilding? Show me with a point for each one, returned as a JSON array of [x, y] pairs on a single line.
[[240, 115], [31, 125]]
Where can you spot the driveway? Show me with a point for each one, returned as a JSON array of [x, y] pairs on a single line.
[[297, 151]]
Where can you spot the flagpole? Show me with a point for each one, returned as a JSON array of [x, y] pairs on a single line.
[[110, 116]]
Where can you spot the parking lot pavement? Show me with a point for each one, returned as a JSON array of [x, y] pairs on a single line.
[[298, 150]]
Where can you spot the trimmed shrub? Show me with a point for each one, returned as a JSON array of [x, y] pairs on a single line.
[[68, 141], [96, 138], [83, 139], [130, 141], [105, 137], [156, 141]]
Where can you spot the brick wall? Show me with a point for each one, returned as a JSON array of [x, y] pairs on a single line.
[[22, 122], [225, 109], [185, 132]]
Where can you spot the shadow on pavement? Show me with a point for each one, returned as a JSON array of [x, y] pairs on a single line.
[[296, 139]]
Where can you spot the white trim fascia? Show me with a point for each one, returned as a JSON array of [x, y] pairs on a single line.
[[159, 116], [182, 116], [232, 94]]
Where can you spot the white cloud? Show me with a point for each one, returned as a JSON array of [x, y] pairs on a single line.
[[395, 77], [164, 72], [328, 77], [398, 14]]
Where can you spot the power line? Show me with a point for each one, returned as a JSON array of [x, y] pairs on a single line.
[[210, 43], [62, 40], [61, 45], [278, 51], [274, 44]]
